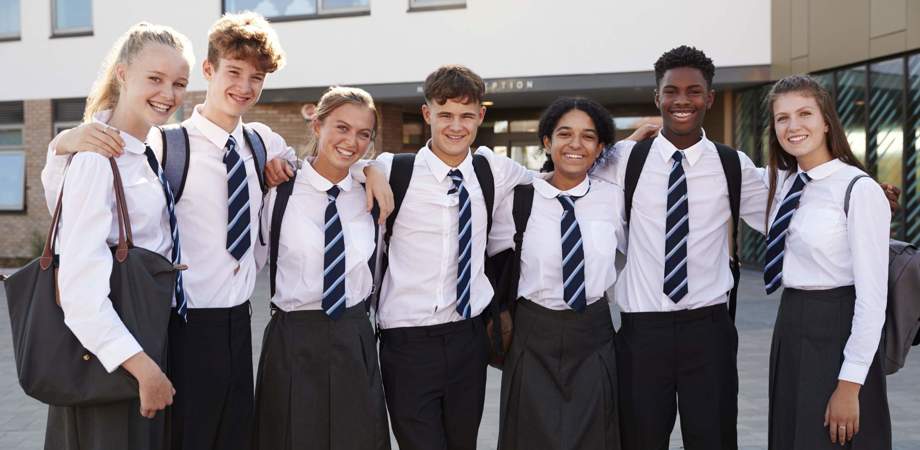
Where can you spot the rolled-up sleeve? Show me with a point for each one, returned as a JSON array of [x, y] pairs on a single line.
[[86, 262], [868, 230]]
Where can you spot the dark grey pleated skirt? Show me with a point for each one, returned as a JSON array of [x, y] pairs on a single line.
[[113, 426], [559, 381], [319, 384], [812, 328]]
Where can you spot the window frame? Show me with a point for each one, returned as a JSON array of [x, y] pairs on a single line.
[[16, 149], [435, 5], [320, 13], [69, 32], [6, 37]]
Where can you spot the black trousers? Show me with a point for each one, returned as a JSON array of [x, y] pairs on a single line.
[[434, 378], [678, 361], [210, 359]]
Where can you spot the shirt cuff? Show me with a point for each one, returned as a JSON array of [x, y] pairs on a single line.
[[853, 372], [114, 353]]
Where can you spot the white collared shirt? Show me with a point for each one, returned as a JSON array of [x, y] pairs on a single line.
[[599, 211], [215, 278], [640, 286], [826, 248], [88, 227], [420, 285], [299, 279]]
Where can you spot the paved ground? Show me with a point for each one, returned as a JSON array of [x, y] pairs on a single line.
[[22, 420]]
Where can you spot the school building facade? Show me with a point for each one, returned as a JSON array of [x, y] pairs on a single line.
[[529, 53]]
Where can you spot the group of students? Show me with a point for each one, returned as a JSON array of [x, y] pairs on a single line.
[[570, 380]]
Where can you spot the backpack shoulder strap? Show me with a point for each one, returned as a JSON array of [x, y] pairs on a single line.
[[257, 145], [846, 197], [634, 165], [400, 176], [175, 157], [520, 210], [731, 165], [282, 194], [487, 184]]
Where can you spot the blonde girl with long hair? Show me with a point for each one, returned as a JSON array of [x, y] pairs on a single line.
[[142, 83]]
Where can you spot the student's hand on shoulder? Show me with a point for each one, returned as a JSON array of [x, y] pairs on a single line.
[[842, 414], [892, 193], [277, 171], [91, 137], [645, 131], [377, 188], [155, 390]]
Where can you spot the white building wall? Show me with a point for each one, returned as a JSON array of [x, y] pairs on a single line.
[[497, 38]]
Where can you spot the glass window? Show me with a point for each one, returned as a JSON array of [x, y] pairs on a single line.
[[435, 3], [501, 126], [414, 132], [524, 126], [277, 9], [9, 18], [911, 193], [72, 16], [851, 106], [12, 169], [886, 129]]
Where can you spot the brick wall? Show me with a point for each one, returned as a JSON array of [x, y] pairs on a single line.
[[20, 229]]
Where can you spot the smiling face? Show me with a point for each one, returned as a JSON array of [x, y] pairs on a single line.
[[342, 138], [800, 126], [453, 128], [234, 85], [574, 145], [153, 85], [683, 97]]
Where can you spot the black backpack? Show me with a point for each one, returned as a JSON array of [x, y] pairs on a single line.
[[401, 176], [282, 194], [504, 271], [175, 159], [731, 165]]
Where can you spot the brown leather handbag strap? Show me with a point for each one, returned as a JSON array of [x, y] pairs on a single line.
[[125, 239], [48, 251]]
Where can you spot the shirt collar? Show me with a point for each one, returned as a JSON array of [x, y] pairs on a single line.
[[213, 132], [439, 169], [132, 144], [692, 154], [547, 190], [309, 175], [824, 170]]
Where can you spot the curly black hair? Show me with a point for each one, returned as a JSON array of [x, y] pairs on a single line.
[[603, 122], [684, 56]]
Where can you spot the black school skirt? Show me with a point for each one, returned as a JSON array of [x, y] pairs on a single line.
[[110, 426], [319, 384], [559, 381], [812, 328]]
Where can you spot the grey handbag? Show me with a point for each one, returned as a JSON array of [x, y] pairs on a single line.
[[52, 365]]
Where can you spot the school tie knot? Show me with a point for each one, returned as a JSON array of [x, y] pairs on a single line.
[[333, 193], [678, 156], [456, 176], [567, 202]]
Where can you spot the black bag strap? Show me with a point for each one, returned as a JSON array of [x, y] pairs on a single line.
[[175, 157], [731, 165], [259, 153], [282, 194], [400, 176], [846, 197], [634, 165], [487, 184], [520, 210]]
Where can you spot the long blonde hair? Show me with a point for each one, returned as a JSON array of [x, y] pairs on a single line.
[[335, 97], [105, 91]]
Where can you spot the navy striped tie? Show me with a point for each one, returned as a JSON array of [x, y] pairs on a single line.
[[464, 235], [176, 255], [677, 228], [776, 238], [573, 257], [238, 235], [333, 259]]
